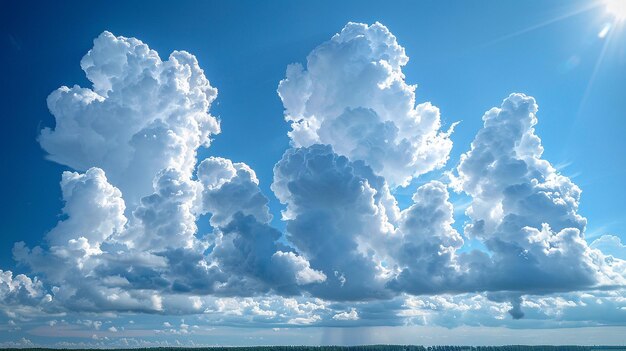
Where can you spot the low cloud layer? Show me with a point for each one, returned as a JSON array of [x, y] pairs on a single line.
[[128, 238]]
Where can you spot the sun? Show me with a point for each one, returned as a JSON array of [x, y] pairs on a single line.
[[616, 8]]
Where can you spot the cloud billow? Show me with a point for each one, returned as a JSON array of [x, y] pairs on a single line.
[[352, 95], [128, 240]]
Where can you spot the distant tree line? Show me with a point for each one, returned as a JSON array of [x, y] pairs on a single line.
[[372, 348]]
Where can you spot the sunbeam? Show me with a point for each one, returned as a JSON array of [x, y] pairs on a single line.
[[545, 23], [617, 9]]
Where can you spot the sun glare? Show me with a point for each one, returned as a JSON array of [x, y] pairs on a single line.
[[616, 8]]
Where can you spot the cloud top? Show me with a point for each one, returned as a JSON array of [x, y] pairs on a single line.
[[353, 96], [141, 115]]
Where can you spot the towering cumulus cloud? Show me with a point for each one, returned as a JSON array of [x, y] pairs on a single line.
[[524, 211], [142, 115], [357, 134], [128, 239], [352, 96]]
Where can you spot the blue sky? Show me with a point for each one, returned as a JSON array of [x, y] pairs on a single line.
[[465, 57]]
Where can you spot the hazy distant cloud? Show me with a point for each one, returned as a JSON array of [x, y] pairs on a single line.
[[610, 245], [352, 315]]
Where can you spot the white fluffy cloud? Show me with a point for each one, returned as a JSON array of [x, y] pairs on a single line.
[[21, 296], [128, 238], [352, 95], [524, 211], [230, 188], [141, 115], [93, 207], [335, 214], [246, 246], [426, 249]]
